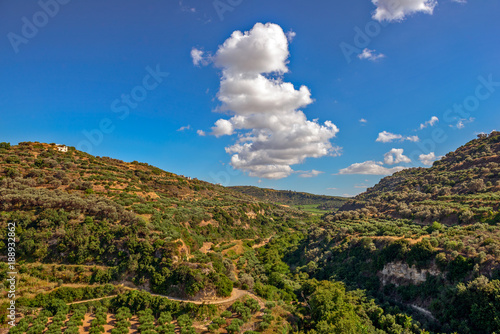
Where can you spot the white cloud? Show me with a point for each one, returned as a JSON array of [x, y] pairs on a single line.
[[370, 55], [201, 133], [183, 128], [197, 56], [290, 35], [396, 156], [427, 159], [222, 127], [412, 138], [200, 57], [312, 173], [273, 133], [363, 121], [370, 168], [430, 122], [388, 137], [397, 10], [264, 49], [461, 122]]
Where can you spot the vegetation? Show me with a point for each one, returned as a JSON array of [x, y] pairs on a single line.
[[136, 239]]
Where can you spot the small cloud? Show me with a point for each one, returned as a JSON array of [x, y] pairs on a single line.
[[430, 122], [363, 121], [312, 173], [290, 35], [186, 8], [370, 168], [331, 188], [396, 156], [370, 55], [199, 57], [461, 122], [387, 137], [459, 1], [201, 133], [412, 138], [222, 127], [183, 128], [427, 159]]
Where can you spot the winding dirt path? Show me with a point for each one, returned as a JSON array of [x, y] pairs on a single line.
[[236, 294]]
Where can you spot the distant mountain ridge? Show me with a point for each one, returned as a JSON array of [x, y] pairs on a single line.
[[288, 197]]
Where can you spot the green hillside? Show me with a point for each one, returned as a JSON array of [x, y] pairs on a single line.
[[98, 239], [461, 188]]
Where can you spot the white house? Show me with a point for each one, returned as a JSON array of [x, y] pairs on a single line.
[[62, 148]]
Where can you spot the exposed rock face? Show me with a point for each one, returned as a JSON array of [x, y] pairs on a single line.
[[400, 273]]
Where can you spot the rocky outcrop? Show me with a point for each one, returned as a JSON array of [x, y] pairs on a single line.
[[400, 273]]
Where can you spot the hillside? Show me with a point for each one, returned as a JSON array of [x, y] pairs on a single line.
[[135, 219], [292, 198], [214, 259], [422, 239], [462, 187]]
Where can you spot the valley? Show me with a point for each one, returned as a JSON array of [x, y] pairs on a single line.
[[101, 243]]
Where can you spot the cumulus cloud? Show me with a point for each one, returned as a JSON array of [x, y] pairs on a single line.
[[430, 122], [312, 173], [273, 133], [398, 10], [388, 137], [396, 156], [427, 159], [363, 121], [370, 55], [201, 133], [370, 168]]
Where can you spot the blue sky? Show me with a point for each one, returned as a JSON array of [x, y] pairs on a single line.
[[63, 80]]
